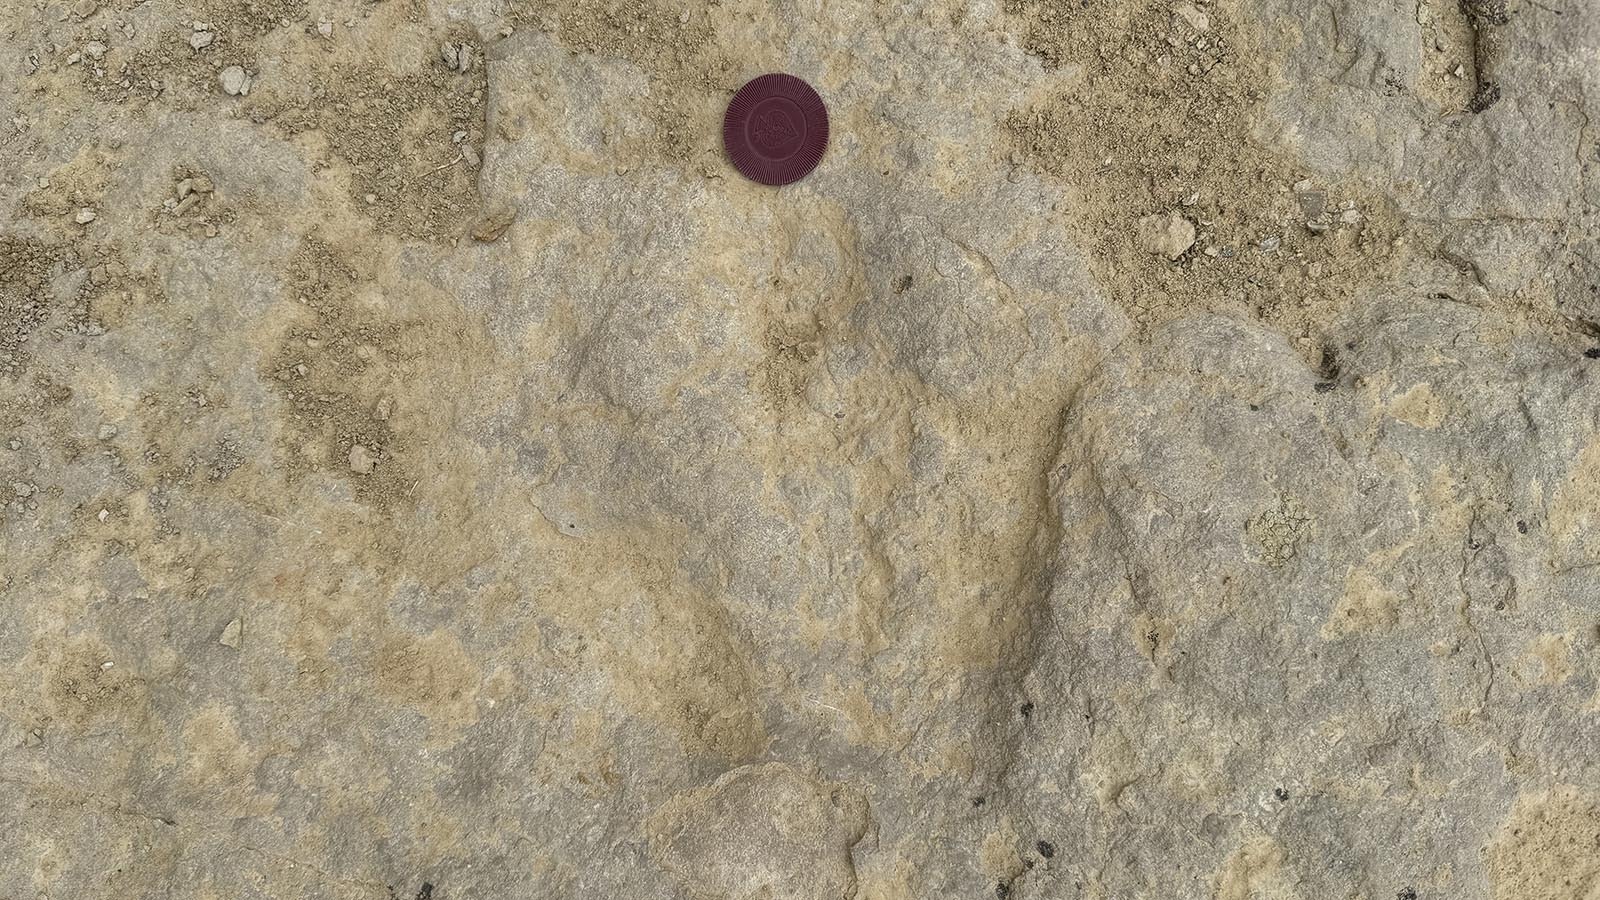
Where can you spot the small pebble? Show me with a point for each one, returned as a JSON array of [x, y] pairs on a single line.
[[325, 29], [470, 155], [14, 444], [1193, 15], [83, 9], [448, 53], [492, 226], [235, 81], [22, 489], [232, 634], [464, 58], [107, 431], [1166, 234], [201, 39], [85, 216], [361, 461]]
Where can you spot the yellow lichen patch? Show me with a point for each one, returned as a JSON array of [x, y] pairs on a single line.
[[1367, 604], [1111, 769], [998, 853], [1549, 849], [85, 687], [1448, 505], [1279, 532], [432, 674], [680, 665], [1255, 871], [1196, 772], [1546, 660], [1419, 407], [218, 762], [888, 880], [1575, 513]]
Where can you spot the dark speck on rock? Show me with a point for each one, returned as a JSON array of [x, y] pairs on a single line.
[[1281, 794], [1047, 849], [1026, 710], [1323, 387], [1522, 527], [1329, 366], [1406, 893], [1592, 353], [1002, 890]]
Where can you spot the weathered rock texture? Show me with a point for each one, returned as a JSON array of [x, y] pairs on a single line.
[[430, 471]]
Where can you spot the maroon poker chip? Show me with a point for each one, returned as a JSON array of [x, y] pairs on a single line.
[[776, 129]]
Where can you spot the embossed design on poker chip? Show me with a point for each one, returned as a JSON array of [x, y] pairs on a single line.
[[776, 129]]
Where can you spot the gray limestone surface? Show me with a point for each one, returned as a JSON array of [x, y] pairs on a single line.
[[1156, 454]]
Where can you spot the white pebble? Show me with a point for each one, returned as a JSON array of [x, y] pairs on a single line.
[[235, 81], [361, 461]]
